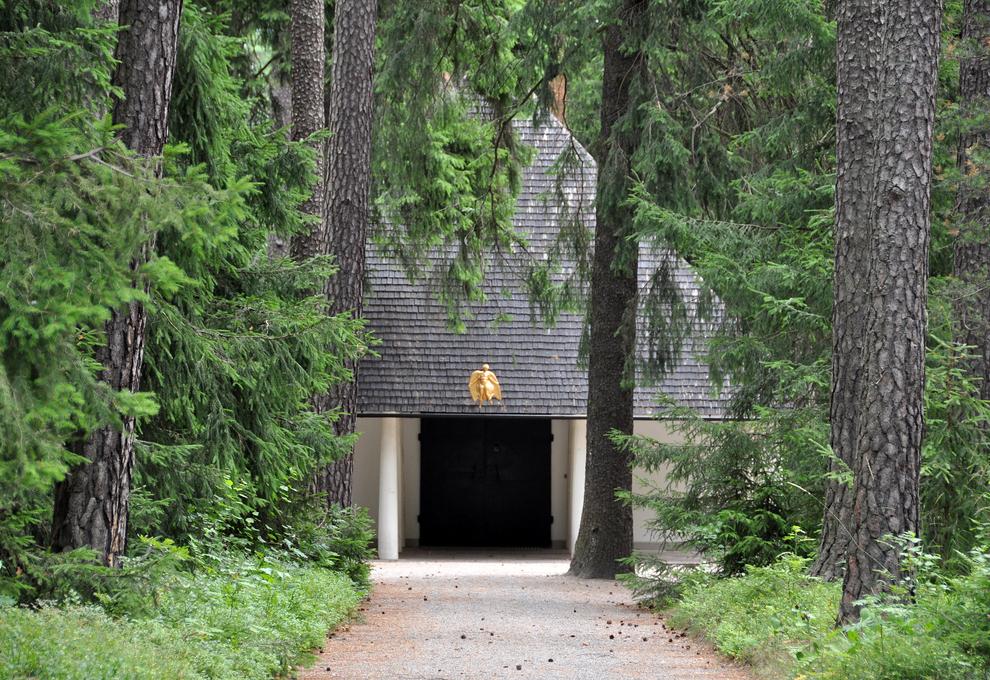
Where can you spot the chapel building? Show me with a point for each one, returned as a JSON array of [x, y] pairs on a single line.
[[436, 470]]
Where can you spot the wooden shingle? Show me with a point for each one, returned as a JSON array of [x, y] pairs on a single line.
[[424, 366]]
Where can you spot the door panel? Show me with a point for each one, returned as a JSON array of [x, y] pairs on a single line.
[[485, 482]]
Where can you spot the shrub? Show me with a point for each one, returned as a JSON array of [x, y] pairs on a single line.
[[84, 642], [735, 489], [893, 649], [237, 618], [351, 543], [335, 538], [782, 620], [943, 633], [267, 614], [764, 616]]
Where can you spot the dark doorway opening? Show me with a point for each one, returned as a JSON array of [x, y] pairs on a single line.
[[485, 482]]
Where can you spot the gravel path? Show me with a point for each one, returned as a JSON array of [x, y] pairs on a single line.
[[477, 615]]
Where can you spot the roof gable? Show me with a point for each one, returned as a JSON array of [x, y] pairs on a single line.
[[424, 366]]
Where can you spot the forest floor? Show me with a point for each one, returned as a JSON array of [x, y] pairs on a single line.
[[506, 615]]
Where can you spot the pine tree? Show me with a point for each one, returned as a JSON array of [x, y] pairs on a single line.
[[348, 185], [858, 72], [248, 331], [889, 321], [91, 504], [605, 534], [308, 117], [107, 11], [972, 247]]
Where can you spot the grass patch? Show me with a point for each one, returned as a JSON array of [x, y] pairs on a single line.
[[84, 642], [240, 619], [762, 618], [781, 621]]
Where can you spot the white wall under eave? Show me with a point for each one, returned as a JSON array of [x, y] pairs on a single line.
[[410, 480], [364, 483], [367, 460], [366, 480], [559, 457], [643, 481]]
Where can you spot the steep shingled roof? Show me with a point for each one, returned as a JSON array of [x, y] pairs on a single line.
[[424, 366]]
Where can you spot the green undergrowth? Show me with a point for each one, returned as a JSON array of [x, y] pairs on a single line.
[[761, 618], [238, 617], [781, 622]]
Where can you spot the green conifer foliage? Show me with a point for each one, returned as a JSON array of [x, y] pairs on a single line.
[[236, 345], [67, 235], [745, 122], [235, 356], [446, 164], [732, 174]]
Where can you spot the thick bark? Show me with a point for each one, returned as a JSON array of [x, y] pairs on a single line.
[[605, 534], [889, 396], [972, 247], [348, 186], [107, 12], [308, 117], [146, 51], [858, 59], [91, 503], [281, 98]]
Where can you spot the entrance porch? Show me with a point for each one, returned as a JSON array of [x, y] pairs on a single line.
[[483, 481]]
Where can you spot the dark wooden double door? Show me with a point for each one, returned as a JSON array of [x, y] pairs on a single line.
[[485, 482]]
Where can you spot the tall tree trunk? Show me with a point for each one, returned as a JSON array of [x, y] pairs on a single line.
[[889, 419], [972, 247], [281, 99], [107, 11], [857, 69], [308, 117], [605, 534], [347, 191], [91, 503]]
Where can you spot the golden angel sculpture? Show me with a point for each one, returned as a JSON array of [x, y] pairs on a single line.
[[484, 386]]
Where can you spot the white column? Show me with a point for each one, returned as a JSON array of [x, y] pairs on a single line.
[[388, 491], [578, 456]]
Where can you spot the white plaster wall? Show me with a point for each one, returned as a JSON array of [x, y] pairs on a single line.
[[366, 471], [559, 458], [643, 481], [364, 489], [642, 538], [402, 492], [410, 479]]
